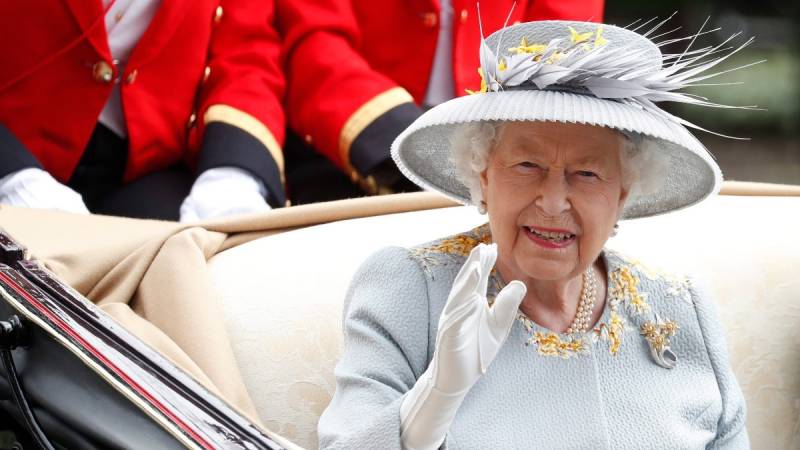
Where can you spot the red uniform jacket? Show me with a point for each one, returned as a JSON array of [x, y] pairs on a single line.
[[200, 61], [350, 61]]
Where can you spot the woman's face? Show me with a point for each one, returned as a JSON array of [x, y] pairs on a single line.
[[553, 193]]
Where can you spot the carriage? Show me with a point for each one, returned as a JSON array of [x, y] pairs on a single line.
[[121, 333]]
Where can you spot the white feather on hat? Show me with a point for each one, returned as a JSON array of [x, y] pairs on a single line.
[[580, 72]]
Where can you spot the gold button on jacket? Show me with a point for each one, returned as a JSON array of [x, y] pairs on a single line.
[[103, 72]]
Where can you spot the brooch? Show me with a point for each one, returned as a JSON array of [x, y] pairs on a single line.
[[657, 335]]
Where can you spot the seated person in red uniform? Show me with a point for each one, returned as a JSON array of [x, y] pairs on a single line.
[[141, 108], [360, 71]]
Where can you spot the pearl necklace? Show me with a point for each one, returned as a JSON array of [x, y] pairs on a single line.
[[583, 316]]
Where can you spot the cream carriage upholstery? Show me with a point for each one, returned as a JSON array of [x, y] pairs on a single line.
[[282, 298]]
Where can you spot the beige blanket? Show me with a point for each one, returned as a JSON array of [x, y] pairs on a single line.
[[151, 276]]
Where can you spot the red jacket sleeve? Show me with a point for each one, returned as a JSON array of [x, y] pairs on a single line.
[[240, 100], [340, 103], [329, 80]]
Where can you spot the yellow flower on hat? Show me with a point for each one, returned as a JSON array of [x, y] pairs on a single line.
[[579, 37], [483, 88], [599, 40], [501, 66], [554, 58], [524, 47]]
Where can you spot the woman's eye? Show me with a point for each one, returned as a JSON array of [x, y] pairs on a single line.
[[587, 173], [528, 164]]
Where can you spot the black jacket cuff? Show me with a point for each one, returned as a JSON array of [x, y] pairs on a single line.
[[13, 155], [370, 150], [227, 145]]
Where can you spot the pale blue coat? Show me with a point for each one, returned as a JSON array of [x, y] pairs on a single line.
[[591, 398]]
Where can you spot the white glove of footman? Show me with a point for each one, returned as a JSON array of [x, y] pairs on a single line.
[[470, 335], [35, 188], [224, 191]]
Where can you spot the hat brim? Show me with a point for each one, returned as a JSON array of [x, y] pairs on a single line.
[[423, 151]]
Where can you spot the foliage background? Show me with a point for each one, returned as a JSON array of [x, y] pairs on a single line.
[[773, 151]]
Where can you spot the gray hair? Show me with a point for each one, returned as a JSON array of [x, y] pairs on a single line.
[[644, 169]]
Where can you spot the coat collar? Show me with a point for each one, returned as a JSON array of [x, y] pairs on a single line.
[[90, 17], [166, 21]]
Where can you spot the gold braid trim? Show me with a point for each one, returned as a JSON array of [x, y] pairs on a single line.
[[367, 114], [242, 120]]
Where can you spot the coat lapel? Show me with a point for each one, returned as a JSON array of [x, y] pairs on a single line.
[[161, 29], [90, 17]]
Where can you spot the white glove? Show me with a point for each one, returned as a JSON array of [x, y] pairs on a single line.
[[35, 188], [470, 335], [224, 191]]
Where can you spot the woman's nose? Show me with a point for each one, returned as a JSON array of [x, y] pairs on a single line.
[[553, 196]]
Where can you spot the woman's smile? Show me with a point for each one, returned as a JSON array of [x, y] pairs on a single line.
[[550, 238]]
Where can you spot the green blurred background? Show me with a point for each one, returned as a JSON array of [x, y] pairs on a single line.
[[773, 151]]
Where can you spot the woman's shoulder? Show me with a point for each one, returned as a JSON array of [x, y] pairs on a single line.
[[663, 305], [449, 252], [629, 275], [447, 249], [433, 264], [424, 267]]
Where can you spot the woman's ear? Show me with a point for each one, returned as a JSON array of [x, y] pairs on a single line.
[[623, 197], [484, 179]]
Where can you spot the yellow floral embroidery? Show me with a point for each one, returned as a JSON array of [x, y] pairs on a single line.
[[612, 331], [679, 288], [551, 344], [624, 289], [652, 273], [678, 285], [460, 245]]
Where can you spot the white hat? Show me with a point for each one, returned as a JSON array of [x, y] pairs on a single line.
[[578, 72]]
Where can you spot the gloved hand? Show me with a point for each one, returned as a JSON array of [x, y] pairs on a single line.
[[469, 336], [224, 191], [35, 188]]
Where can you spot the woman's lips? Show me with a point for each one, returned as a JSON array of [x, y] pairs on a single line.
[[550, 237]]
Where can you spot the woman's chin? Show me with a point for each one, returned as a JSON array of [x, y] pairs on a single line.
[[543, 268]]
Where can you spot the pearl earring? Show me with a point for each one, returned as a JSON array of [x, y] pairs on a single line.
[[615, 230], [482, 207]]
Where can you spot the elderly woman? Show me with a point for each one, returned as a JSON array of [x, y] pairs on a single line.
[[527, 332]]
